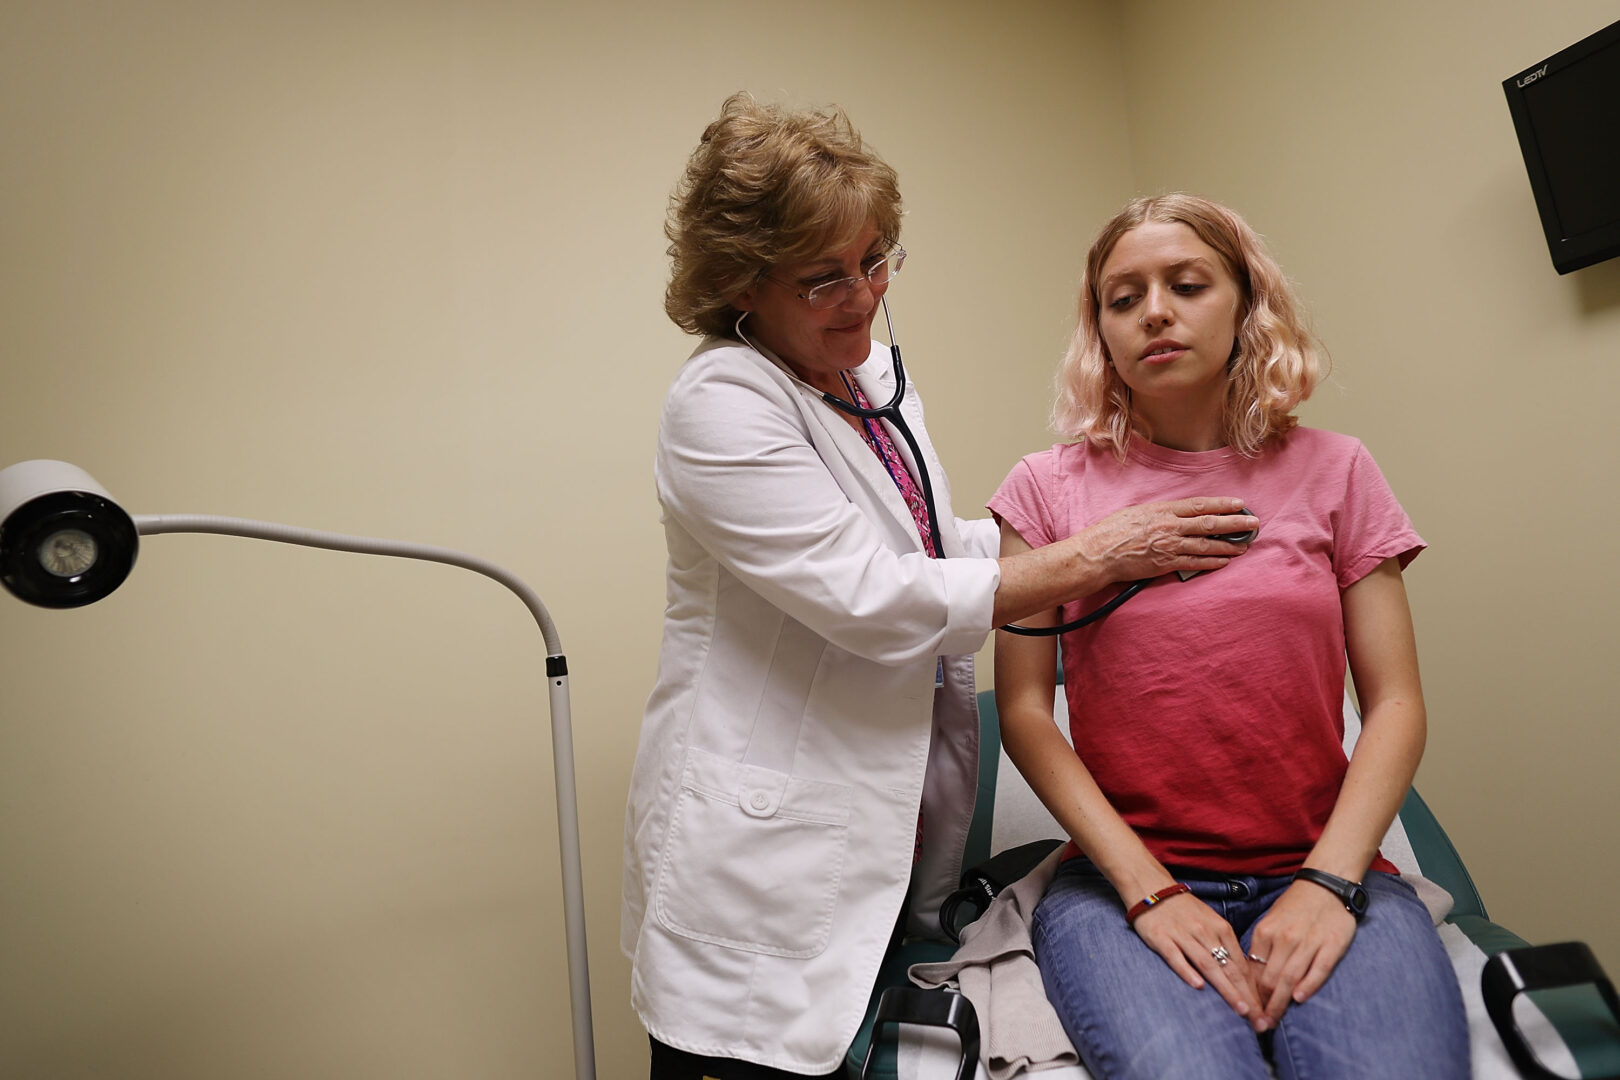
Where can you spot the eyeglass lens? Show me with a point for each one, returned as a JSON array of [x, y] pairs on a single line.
[[833, 293]]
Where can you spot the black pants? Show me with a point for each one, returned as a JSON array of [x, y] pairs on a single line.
[[669, 1063]]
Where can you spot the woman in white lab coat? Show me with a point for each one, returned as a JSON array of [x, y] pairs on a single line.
[[811, 745]]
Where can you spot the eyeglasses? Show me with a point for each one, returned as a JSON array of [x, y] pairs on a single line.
[[829, 294]]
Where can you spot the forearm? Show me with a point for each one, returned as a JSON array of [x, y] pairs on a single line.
[[1040, 580], [1394, 725], [1381, 770]]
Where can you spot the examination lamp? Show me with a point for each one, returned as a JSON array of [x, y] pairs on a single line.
[[64, 542]]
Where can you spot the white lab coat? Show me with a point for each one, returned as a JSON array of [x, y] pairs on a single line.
[[774, 802]]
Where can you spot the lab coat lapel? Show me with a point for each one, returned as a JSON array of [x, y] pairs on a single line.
[[874, 479], [877, 488], [871, 479]]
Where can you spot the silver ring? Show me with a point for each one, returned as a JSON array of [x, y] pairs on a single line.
[[1257, 959], [1141, 321], [1220, 954]]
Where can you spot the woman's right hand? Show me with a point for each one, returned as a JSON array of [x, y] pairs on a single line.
[[1185, 931], [1152, 539]]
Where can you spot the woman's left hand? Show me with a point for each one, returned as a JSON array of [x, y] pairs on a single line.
[[1297, 944]]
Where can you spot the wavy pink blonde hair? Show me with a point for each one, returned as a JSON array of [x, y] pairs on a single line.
[[1278, 360]]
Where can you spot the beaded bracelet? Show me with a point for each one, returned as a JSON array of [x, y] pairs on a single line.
[[1153, 898]]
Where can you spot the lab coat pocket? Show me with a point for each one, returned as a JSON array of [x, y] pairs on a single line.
[[754, 858]]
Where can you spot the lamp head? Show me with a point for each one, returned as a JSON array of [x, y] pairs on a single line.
[[64, 542]]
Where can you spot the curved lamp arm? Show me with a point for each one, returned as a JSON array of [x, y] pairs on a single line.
[[41, 501], [154, 524]]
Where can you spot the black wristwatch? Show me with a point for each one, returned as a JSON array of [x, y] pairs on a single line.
[[1352, 893]]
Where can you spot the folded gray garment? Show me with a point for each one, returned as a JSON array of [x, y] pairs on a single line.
[[995, 970]]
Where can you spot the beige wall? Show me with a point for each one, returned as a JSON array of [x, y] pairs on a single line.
[[1372, 143], [396, 268]]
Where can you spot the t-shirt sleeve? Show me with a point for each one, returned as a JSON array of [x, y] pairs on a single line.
[[1021, 502], [1372, 525]]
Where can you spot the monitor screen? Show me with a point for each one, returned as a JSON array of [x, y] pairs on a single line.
[[1567, 113]]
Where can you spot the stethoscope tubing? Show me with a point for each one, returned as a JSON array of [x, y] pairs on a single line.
[[891, 413], [1085, 620]]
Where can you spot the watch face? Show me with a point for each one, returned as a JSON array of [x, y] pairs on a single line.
[[1357, 900]]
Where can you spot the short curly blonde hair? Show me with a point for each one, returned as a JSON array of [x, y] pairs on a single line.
[[768, 185], [1277, 364]]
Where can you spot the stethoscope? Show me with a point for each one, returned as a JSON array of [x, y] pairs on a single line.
[[891, 412]]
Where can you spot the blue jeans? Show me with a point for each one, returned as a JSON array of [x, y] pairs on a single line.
[[1392, 1006]]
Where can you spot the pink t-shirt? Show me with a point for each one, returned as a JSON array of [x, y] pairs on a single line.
[[1209, 711]]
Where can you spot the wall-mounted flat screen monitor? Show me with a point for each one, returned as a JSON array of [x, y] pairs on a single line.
[[1567, 112]]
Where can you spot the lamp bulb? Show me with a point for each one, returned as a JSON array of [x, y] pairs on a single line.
[[68, 553]]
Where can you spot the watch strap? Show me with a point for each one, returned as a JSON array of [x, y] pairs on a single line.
[[1350, 892]]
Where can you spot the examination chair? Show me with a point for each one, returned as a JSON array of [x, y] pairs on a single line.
[[1542, 1012]]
